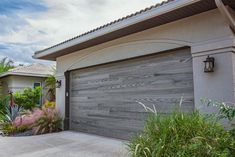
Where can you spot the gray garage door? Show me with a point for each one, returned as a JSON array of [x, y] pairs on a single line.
[[104, 98]]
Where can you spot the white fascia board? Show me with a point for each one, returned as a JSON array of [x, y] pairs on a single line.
[[23, 74], [119, 25]]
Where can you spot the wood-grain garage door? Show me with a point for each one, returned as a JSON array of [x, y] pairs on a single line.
[[104, 98]]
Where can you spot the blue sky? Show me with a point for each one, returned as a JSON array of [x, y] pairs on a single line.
[[30, 25]]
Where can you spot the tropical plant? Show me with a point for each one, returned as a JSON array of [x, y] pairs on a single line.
[[5, 65], [4, 102], [226, 110], [49, 104], [182, 134], [50, 84], [7, 119], [28, 98], [28, 118], [49, 122]]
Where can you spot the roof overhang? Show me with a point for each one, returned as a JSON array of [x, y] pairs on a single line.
[[169, 12], [22, 74]]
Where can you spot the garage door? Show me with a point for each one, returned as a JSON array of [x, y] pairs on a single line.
[[104, 98]]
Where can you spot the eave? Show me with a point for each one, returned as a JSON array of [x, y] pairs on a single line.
[[168, 12]]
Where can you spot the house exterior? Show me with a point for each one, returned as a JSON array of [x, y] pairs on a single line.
[[22, 77], [155, 56]]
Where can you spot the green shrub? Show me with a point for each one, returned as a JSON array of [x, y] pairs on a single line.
[[4, 102], [183, 135], [29, 98], [8, 128], [7, 119], [226, 111]]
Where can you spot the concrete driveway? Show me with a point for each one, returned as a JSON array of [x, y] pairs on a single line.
[[64, 144]]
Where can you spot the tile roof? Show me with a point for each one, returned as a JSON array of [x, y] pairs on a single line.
[[111, 23], [36, 69]]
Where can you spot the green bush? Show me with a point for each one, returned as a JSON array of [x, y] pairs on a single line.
[[183, 135], [28, 98], [4, 102]]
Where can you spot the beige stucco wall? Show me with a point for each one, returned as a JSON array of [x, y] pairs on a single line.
[[198, 32], [18, 83]]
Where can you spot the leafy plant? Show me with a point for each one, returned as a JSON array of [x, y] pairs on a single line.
[[28, 118], [28, 98], [12, 112], [49, 104], [226, 110], [8, 129], [49, 122], [51, 85], [4, 102], [5, 65], [7, 119], [182, 135]]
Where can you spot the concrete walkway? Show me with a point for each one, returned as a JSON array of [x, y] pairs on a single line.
[[64, 144]]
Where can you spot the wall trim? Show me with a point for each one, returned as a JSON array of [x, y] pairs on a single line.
[[221, 45], [166, 44], [67, 101]]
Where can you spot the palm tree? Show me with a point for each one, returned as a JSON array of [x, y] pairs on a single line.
[[5, 65], [50, 84]]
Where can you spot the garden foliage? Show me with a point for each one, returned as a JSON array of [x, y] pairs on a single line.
[[183, 135], [28, 98]]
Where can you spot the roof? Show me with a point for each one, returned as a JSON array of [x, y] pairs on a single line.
[[33, 70], [153, 16]]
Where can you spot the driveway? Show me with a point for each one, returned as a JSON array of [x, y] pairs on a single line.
[[64, 144]]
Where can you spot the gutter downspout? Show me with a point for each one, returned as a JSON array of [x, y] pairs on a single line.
[[225, 12]]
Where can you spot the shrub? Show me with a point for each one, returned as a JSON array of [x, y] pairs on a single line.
[[8, 117], [226, 111], [182, 135], [49, 122], [11, 112], [4, 102], [40, 121], [49, 104], [28, 118], [10, 129], [29, 98]]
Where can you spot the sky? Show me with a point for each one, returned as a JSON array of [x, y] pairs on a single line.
[[30, 25]]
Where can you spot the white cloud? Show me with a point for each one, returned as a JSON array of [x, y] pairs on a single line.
[[64, 20]]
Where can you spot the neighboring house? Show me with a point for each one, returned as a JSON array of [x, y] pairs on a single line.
[[21, 77], [154, 56]]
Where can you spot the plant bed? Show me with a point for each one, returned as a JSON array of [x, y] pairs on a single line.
[[28, 123], [185, 134]]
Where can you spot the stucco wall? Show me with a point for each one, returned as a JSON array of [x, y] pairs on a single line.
[[198, 31], [186, 32], [17, 83]]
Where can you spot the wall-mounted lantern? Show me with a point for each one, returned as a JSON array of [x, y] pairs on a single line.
[[58, 83], [209, 64]]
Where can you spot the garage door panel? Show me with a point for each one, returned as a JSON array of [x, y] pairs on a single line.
[[108, 123], [133, 91], [103, 99], [125, 100], [128, 111], [127, 81], [133, 74], [120, 133], [162, 58]]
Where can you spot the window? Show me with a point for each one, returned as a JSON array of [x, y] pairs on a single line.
[[36, 84]]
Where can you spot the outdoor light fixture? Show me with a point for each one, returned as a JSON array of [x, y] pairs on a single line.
[[209, 64], [58, 83]]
